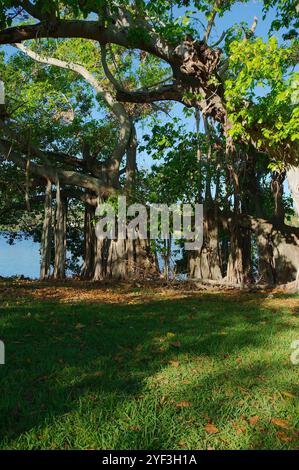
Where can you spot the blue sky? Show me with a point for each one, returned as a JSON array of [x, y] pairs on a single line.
[[240, 12]]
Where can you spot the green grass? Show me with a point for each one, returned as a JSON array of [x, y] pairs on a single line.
[[84, 375]]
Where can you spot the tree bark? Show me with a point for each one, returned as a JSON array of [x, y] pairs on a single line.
[[117, 263], [100, 261], [60, 234], [206, 264], [239, 267], [46, 241], [89, 242]]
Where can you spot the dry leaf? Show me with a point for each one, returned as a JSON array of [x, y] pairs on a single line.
[[253, 420], [283, 437], [280, 423], [134, 428], [238, 428], [79, 326], [182, 445], [211, 429], [174, 363], [176, 344], [288, 394], [243, 390], [170, 334], [183, 404], [99, 373]]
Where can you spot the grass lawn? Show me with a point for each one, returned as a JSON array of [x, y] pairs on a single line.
[[99, 367]]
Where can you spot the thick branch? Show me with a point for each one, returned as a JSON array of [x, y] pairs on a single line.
[[164, 93], [72, 178], [116, 33]]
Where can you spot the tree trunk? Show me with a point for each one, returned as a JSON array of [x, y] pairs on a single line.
[[89, 242], [100, 259], [166, 258], [277, 191], [117, 262], [60, 234], [280, 250], [206, 264], [239, 267], [145, 260], [46, 235], [266, 265], [131, 159], [286, 257]]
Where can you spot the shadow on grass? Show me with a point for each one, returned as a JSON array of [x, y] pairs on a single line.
[[98, 359]]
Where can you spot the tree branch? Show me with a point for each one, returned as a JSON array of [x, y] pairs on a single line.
[[106, 69], [166, 92], [34, 10], [48, 172], [211, 20]]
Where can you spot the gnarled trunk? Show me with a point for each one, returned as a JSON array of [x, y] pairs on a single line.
[[89, 242], [117, 263], [60, 234], [46, 240], [206, 264], [266, 265], [239, 266], [100, 263]]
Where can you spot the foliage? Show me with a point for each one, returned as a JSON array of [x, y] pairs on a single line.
[[262, 94]]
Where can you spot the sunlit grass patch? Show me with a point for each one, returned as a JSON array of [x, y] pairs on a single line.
[[198, 371]]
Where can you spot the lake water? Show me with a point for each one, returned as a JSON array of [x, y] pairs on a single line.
[[22, 258]]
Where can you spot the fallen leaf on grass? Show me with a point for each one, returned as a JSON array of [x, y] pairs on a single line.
[[134, 428], [170, 334], [244, 390], [253, 420], [176, 344], [282, 436], [281, 423], [174, 363], [183, 404], [99, 373], [79, 326], [288, 394], [238, 428], [182, 445], [211, 429]]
